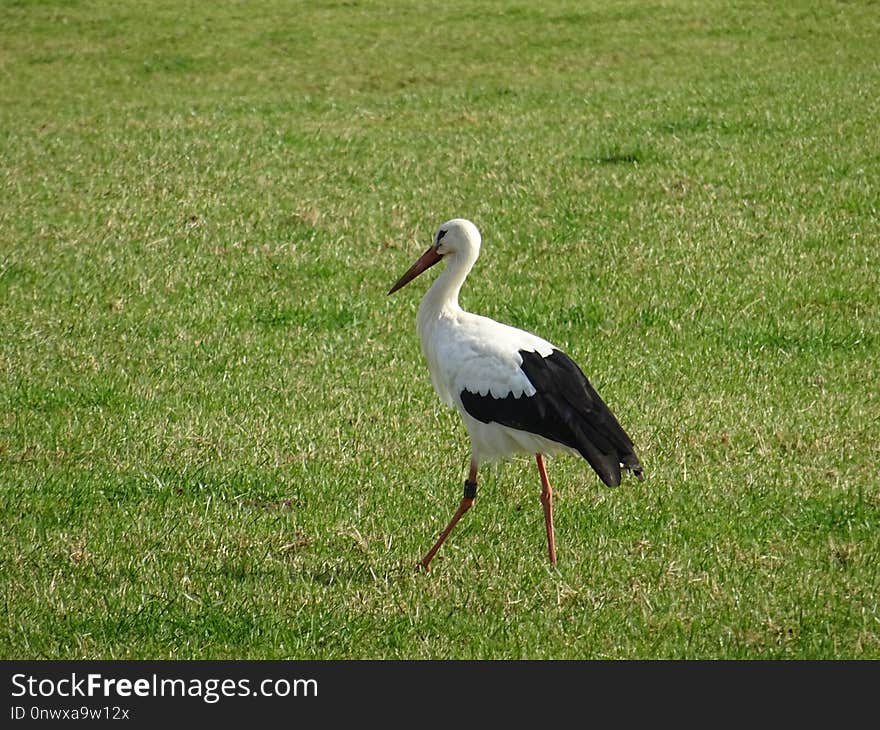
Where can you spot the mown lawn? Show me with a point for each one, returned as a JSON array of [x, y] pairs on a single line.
[[218, 438]]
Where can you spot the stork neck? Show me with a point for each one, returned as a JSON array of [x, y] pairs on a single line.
[[443, 293]]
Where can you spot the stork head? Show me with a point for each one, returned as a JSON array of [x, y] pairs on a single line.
[[455, 238]]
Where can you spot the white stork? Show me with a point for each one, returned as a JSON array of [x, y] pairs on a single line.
[[516, 393]]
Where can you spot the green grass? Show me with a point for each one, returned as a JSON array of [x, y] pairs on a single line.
[[218, 438]]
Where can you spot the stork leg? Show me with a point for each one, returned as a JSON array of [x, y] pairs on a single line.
[[547, 502], [470, 494]]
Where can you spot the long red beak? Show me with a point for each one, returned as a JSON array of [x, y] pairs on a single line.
[[425, 262]]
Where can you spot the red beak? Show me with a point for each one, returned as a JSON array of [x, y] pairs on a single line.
[[425, 262]]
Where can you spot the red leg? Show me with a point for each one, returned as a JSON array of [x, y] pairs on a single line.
[[547, 502], [470, 494]]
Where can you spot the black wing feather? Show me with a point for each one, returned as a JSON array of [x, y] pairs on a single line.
[[565, 409]]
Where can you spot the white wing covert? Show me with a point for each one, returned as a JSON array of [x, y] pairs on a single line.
[[482, 356]]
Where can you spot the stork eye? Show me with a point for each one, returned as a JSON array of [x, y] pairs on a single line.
[[440, 234]]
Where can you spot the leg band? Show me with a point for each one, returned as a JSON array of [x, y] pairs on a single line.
[[470, 489]]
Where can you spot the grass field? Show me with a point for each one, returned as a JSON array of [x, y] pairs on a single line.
[[218, 438]]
